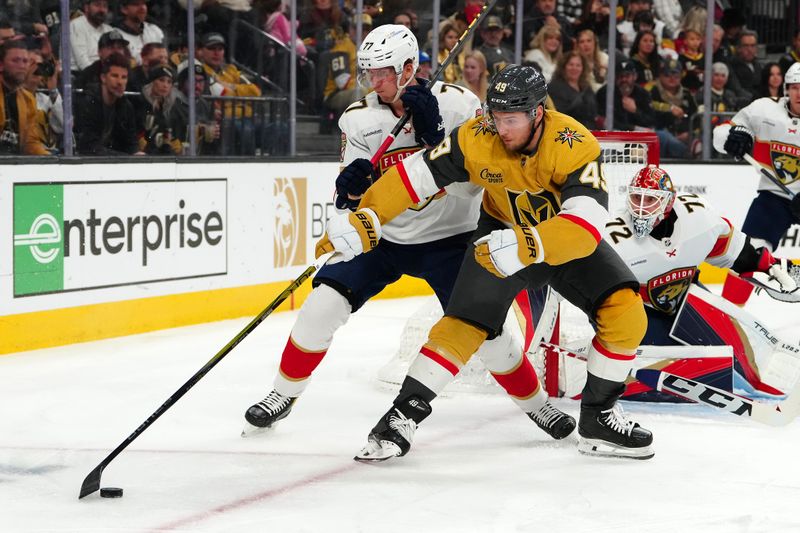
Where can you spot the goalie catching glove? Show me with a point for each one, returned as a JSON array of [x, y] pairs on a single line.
[[350, 234], [507, 251]]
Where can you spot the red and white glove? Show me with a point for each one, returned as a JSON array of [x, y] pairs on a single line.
[[350, 234], [505, 252]]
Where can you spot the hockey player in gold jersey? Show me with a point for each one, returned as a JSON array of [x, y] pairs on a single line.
[[544, 209]]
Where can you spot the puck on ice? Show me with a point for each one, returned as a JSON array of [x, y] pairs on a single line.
[[111, 492]]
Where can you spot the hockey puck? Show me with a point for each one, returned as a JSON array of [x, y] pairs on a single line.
[[111, 492]]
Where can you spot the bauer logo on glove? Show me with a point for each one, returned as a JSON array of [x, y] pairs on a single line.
[[350, 234], [501, 254]]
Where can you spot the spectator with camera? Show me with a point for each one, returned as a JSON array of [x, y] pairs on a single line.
[[85, 32], [135, 28], [105, 121], [50, 107], [19, 134]]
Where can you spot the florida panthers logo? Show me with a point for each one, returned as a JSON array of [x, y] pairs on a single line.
[[532, 208], [666, 291], [785, 161]]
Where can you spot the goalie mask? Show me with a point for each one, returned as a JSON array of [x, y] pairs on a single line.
[[650, 198], [387, 46]]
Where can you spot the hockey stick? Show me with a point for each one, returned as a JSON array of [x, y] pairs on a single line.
[[92, 482], [769, 175], [788, 297], [387, 142], [777, 414]]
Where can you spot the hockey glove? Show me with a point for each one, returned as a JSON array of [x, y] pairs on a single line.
[[507, 251], [778, 269], [425, 117], [354, 179], [739, 142], [350, 234]]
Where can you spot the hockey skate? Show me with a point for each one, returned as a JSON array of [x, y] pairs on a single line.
[[394, 433], [553, 421], [263, 415], [610, 433]]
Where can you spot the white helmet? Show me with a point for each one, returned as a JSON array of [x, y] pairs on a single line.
[[792, 76], [390, 45]]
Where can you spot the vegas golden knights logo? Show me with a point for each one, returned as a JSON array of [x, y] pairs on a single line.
[[289, 199], [531, 208]]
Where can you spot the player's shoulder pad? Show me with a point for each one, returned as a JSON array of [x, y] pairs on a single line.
[[568, 142], [475, 132], [455, 97], [690, 205]]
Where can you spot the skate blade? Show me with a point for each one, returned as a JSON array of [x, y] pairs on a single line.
[[601, 448], [250, 430], [376, 452]]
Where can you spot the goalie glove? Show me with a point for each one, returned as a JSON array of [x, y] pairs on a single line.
[[507, 251], [350, 234], [739, 142]]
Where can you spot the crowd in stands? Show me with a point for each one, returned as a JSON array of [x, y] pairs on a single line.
[[131, 80]]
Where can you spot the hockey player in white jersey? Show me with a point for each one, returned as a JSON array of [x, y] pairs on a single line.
[[770, 131], [663, 238], [427, 241]]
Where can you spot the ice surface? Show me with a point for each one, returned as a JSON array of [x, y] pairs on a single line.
[[478, 464]]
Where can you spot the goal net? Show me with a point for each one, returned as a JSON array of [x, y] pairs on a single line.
[[622, 155]]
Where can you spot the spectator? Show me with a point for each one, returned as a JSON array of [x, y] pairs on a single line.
[[628, 30], [497, 55], [85, 32], [596, 59], [50, 108], [722, 99], [793, 55], [105, 121], [403, 19], [745, 66], [571, 90], [156, 114], [721, 53], [153, 55], [341, 88], [632, 104], [277, 25], [207, 134], [771, 83], [692, 60], [136, 29], [111, 42], [322, 15], [448, 37], [673, 105], [476, 76], [424, 70], [544, 13], [670, 13], [596, 17], [7, 31], [224, 78], [545, 50], [732, 23], [644, 55], [571, 10], [20, 134]]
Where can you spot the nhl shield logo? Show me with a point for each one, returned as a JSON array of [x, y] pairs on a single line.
[[666, 291]]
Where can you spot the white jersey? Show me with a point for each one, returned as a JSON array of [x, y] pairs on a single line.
[[365, 125], [777, 141], [664, 268]]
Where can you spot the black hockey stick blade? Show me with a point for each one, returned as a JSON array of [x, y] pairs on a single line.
[[92, 481], [777, 414], [769, 175]]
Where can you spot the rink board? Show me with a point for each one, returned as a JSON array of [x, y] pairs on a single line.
[[101, 250]]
